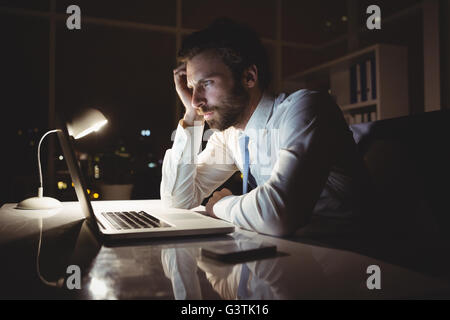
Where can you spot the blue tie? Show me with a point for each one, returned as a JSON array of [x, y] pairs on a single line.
[[246, 180], [242, 292], [247, 175]]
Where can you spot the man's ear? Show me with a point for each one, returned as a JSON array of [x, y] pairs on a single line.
[[250, 77]]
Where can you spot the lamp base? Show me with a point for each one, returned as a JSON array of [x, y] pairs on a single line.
[[39, 203]]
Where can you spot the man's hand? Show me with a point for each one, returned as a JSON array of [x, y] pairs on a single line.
[[185, 94], [214, 199]]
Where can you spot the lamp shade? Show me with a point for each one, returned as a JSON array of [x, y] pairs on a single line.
[[89, 120]]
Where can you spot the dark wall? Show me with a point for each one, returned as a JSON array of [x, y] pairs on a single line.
[[445, 53], [126, 71]]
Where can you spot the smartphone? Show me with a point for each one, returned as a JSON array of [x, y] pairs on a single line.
[[239, 251]]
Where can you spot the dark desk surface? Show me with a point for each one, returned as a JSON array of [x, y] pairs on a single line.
[[304, 267]]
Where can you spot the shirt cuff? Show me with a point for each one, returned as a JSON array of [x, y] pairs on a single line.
[[196, 123], [222, 208], [187, 143]]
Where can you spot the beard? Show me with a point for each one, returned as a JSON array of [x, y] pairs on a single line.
[[231, 109]]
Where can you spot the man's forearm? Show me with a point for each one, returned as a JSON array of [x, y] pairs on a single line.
[[179, 167]]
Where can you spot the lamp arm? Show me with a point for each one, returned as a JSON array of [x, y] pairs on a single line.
[[41, 189]]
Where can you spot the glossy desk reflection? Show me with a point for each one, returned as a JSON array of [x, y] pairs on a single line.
[[174, 269]]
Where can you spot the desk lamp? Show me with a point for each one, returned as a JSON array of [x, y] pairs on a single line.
[[88, 121]]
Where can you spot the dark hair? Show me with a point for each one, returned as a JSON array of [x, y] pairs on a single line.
[[238, 46]]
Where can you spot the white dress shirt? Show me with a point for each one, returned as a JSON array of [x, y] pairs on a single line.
[[302, 156]]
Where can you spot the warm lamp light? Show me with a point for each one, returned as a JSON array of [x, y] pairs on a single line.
[[87, 122]]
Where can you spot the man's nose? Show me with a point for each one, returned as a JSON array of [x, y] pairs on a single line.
[[198, 100]]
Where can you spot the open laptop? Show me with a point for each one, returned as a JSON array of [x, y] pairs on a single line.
[[117, 222]]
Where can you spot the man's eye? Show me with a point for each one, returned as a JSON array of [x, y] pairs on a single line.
[[207, 83]]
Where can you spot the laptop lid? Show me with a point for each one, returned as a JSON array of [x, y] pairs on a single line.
[[66, 142]]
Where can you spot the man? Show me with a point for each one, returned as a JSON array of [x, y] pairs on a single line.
[[297, 150]]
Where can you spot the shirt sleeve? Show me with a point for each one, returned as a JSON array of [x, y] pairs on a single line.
[[309, 143], [188, 175]]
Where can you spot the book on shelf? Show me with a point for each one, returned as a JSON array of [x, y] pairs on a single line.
[[369, 79], [361, 116], [365, 117], [363, 81], [348, 118], [358, 83], [373, 78]]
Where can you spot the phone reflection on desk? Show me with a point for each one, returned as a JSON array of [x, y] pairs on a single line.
[[230, 281], [250, 280]]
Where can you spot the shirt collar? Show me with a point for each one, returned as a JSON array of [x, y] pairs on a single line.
[[262, 113]]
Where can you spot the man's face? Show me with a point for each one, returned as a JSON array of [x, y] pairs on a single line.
[[215, 95]]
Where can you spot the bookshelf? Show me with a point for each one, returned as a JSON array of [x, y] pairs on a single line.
[[369, 84]]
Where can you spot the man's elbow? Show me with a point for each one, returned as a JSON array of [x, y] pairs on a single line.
[[170, 201], [279, 228], [284, 225], [279, 232]]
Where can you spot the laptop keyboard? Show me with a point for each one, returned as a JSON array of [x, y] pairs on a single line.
[[132, 220]]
